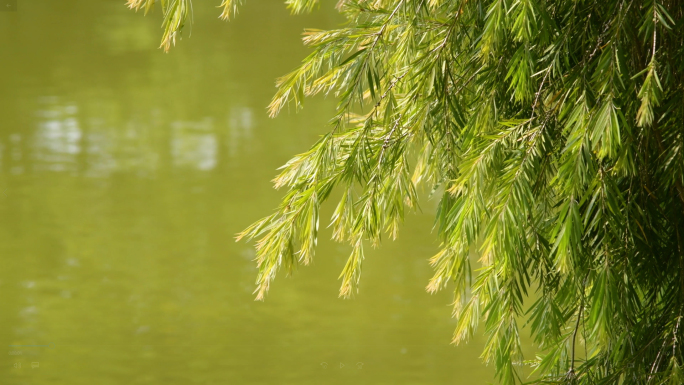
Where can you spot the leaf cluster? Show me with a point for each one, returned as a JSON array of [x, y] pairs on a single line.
[[551, 134]]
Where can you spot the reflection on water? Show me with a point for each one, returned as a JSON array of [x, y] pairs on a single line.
[[193, 144], [58, 136], [58, 141], [125, 174]]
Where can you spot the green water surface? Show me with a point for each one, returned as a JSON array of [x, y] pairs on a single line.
[[125, 174]]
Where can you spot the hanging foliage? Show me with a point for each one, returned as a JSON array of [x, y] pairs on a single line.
[[552, 134]]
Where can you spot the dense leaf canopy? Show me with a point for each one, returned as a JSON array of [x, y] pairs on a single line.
[[552, 135]]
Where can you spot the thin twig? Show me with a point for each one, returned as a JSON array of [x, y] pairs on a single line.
[[571, 372]]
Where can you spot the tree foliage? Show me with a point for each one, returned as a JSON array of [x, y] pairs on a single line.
[[550, 132]]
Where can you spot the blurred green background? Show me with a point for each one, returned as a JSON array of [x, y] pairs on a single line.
[[125, 174]]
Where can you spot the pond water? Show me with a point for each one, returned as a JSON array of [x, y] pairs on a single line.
[[125, 174]]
